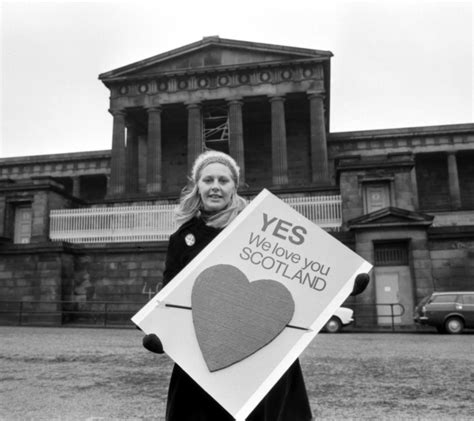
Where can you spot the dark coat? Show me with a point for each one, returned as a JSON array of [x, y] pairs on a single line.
[[187, 401]]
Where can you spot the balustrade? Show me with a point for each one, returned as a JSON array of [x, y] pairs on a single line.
[[156, 222]]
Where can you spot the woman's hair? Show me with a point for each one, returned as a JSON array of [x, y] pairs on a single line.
[[190, 204]]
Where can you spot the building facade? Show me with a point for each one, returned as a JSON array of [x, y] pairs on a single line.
[[83, 229]]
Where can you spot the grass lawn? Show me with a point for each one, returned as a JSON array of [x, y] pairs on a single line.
[[105, 374]]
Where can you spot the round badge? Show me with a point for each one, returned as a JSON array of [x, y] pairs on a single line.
[[190, 240]]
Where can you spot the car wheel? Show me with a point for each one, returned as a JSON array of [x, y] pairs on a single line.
[[454, 325], [334, 325]]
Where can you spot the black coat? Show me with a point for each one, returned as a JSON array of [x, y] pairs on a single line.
[[187, 401]]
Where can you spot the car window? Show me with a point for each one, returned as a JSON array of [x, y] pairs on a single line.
[[468, 299], [439, 299]]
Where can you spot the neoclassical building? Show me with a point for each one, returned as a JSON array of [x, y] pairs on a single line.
[[82, 230], [266, 105]]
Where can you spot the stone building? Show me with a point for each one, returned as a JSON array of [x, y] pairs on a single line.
[[91, 228]]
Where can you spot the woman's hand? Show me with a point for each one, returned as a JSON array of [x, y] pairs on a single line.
[[153, 343], [360, 283]]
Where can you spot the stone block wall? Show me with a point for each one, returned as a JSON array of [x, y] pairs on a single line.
[[453, 263], [32, 275], [352, 184], [420, 282], [83, 278]]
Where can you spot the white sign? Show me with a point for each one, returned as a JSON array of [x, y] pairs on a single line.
[[241, 312]]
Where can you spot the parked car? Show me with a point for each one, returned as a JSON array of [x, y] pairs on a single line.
[[449, 312], [342, 317]]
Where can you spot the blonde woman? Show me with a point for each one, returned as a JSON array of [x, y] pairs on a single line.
[[207, 206]]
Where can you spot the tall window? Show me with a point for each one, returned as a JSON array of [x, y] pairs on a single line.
[[23, 217], [216, 128]]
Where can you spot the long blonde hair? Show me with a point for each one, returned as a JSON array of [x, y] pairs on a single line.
[[190, 206]]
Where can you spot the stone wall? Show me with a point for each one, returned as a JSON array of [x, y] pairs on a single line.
[[356, 175], [82, 277], [452, 255]]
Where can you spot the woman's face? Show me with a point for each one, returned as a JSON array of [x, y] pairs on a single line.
[[216, 187]]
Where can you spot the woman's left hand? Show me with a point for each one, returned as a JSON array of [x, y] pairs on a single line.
[[360, 283]]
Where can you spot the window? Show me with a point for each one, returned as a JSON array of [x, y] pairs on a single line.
[[444, 299], [393, 253], [23, 218], [468, 299]]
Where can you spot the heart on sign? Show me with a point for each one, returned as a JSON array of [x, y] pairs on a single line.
[[234, 318]]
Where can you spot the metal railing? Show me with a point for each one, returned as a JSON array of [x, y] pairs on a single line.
[[376, 314], [118, 314], [156, 223], [65, 313]]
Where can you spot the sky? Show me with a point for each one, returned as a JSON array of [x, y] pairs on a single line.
[[395, 64]]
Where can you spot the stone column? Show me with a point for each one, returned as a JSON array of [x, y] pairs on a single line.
[[319, 154], [236, 136], [76, 186], [279, 151], [453, 180], [194, 133], [154, 155], [117, 164], [131, 170]]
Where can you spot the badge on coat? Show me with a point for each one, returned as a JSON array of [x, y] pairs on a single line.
[[190, 240]]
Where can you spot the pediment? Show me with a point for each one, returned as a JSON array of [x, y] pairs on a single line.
[[214, 52], [389, 217]]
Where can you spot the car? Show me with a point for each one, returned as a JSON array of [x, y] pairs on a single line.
[[449, 312], [341, 317]]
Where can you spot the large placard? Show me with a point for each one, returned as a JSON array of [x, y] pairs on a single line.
[[241, 312]]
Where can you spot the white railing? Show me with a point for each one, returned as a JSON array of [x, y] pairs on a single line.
[[155, 222]]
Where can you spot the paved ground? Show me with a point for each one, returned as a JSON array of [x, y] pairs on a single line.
[[105, 374]]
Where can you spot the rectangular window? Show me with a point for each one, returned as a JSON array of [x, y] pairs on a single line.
[[468, 299], [444, 299], [23, 218], [393, 253]]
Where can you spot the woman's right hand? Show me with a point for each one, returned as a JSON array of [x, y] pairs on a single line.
[[153, 343]]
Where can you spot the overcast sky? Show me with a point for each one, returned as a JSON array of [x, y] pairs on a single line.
[[395, 64]]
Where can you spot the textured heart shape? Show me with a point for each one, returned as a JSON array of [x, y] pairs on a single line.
[[234, 318]]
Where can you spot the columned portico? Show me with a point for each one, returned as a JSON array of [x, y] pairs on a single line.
[[236, 143], [177, 104], [453, 180], [194, 132], [154, 154], [319, 154], [279, 152], [117, 174]]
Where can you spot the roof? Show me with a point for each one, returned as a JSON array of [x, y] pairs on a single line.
[[215, 53]]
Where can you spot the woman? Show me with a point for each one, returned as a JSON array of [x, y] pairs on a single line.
[[208, 205]]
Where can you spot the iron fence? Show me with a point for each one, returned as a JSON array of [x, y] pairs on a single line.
[[117, 314]]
